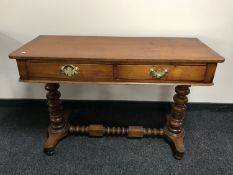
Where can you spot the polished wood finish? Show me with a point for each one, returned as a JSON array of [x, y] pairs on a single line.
[[86, 71], [183, 62], [120, 82], [121, 49], [210, 71], [96, 130], [58, 121], [22, 67], [175, 73], [178, 73], [174, 131]]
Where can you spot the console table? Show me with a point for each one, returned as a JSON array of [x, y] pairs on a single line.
[[183, 62]]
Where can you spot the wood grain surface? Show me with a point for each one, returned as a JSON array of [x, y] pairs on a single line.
[[123, 49], [175, 73], [86, 71]]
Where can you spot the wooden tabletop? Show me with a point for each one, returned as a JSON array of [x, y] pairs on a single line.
[[117, 49]]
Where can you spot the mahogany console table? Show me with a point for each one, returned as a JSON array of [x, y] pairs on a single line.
[[183, 62]]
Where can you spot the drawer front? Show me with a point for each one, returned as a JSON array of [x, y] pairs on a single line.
[[69, 72], [162, 72]]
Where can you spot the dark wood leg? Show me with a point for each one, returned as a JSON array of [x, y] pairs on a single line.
[[59, 126], [174, 131]]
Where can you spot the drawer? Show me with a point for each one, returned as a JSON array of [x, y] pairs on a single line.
[[69, 72], [162, 72]]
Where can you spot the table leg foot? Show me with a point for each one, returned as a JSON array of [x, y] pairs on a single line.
[[49, 151], [177, 143], [54, 137]]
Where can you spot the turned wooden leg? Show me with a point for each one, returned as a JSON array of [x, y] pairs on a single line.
[[59, 126], [174, 131]]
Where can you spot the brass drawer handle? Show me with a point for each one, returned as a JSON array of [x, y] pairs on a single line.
[[158, 72], [69, 70]]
